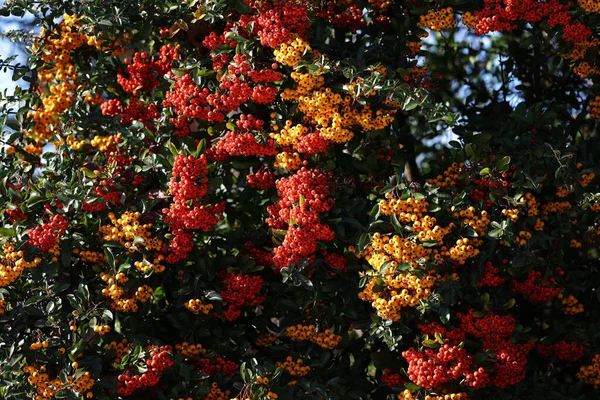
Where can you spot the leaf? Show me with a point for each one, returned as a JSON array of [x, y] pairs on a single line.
[[484, 171], [469, 151], [7, 233], [110, 258]]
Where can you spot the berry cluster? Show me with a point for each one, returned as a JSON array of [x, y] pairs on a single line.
[[303, 197], [190, 351], [432, 369], [214, 365], [241, 291], [47, 235], [391, 379], [196, 306], [142, 71], [276, 23], [438, 20], [186, 214], [536, 288], [297, 369], [263, 179], [490, 276], [565, 351], [239, 144], [160, 359], [326, 339]]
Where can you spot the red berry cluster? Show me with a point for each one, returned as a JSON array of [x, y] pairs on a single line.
[[16, 215], [188, 186], [451, 336], [303, 197], [261, 257], [335, 261], [490, 276], [390, 379], [345, 17], [239, 144], [93, 207], [249, 123], [511, 361], [212, 367], [538, 289], [44, 236], [312, 143], [275, 23], [503, 15], [265, 75], [160, 359], [431, 369], [564, 350], [134, 111], [109, 196], [489, 328], [142, 71], [262, 179], [241, 290]]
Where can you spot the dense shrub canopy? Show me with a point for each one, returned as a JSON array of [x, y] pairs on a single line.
[[337, 199]]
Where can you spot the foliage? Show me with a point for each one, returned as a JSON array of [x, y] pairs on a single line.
[[221, 199]]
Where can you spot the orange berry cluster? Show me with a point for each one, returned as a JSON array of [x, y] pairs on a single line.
[[38, 345], [216, 393], [469, 20], [396, 292], [590, 374], [291, 52], [556, 207], [89, 256], [586, 179], [120, 349], [478, 224], [326, 339], [116, 293], [584, 70], [47, 388], [102, 329], [189, 350], [265, 339], [262, 380], [196, 306], [464, 249], [332, 113], [532, 204], [297, 369], [407, 211], [449, 178], [105, 143], [12, 264], [511, 213], [2, 306], [128, 231], [570, 304], [595, 108], [289, 161], [523, 237], [407, 395], [438, 20], [574, 244], [590, 6], [58, 46], [289, 135], [395, 250], [580, 49]]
